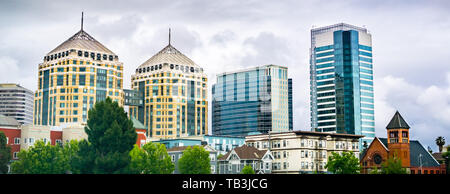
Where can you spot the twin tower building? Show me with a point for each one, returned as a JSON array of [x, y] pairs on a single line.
[[169, 92]]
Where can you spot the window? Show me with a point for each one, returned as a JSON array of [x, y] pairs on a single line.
[[16, 140], [15, 155], [58, 142]]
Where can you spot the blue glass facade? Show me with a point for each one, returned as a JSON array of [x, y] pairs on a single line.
[[249, 101], [342, 81]]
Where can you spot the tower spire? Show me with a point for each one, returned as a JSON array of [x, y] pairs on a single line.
[[82, 21], [169, 36]]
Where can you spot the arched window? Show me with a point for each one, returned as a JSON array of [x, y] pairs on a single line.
[[86, 54]]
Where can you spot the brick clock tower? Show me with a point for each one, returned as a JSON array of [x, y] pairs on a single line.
[[398, 139]]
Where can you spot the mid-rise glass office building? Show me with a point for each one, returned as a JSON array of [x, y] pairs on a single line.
[[253, 100], [341, 81]]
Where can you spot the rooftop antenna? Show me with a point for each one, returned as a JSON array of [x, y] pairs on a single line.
[[82, 21], [169, 36]]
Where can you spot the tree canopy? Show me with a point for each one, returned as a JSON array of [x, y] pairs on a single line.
[[195, 160], [152, 158], [392, 166], [42, 159], [345, 163], [5, 154], [248, 170]]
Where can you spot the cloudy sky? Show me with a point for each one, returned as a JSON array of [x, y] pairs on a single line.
[[411, 44]]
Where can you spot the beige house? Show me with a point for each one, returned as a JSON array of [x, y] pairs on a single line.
[[32, 133], [303, 151]]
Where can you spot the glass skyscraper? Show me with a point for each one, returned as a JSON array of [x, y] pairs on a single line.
[[253, 100], [341, 81]]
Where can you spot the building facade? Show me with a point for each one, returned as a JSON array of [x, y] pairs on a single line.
[[341, 81], [235, 160], [258, 99], [173, 95], [303, 151], [72, 77], [413, 156], [17, 102], [11, 128], [222, 144]]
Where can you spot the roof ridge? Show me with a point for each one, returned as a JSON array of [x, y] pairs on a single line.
[[171, 51], [82, 35]]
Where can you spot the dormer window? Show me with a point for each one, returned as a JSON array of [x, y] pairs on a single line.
[[104, 57], [59, 55], [99, 56], [152, 68], [67, 53], [51, 57], [192, 69], [160, 66], [110, 57], [143, 70], [63, 54], [93, 55], [86, 54], [80, 53], [171, 66], [148, 69]]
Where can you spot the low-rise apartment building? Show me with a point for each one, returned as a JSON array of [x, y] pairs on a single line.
[[303, 151], [235, 160]]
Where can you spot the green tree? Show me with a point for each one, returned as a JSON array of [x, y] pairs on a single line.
[[195, 160], [41, 159], [111, 137], [345, 163], [70, 151], [5, 154], [151, 159], [392, 166], [440, 142], [248, 170], [375, 170], [219, 156]]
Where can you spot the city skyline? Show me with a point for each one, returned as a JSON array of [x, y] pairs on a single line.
[[409, 77]]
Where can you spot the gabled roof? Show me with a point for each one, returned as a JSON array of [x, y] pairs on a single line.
[[137, 124], [82, 40], [246, 152], [418, 154], [171, 55], [8, 121], [397, 122]]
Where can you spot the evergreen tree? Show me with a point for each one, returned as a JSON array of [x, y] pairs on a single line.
[[151, 159], [5, 154], [111, 137], [195, 160]]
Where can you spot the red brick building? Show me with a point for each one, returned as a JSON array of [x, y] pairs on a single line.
[[412, 154], [11, 128], [141, 131]]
